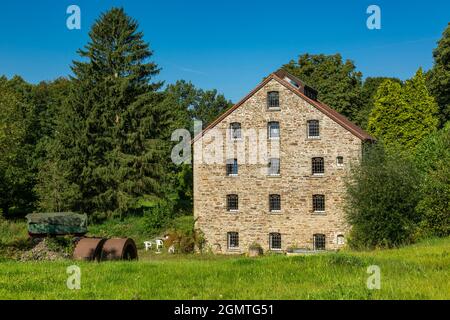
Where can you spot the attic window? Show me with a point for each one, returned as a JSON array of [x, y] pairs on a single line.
[[273, 100], [292, 82], [310, 93]]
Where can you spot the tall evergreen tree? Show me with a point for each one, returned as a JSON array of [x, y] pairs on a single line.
[[403, 116], [439, 76], [337, 82], [368, 91], [109, 134]]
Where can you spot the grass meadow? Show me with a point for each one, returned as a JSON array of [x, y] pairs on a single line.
[[420, 271]]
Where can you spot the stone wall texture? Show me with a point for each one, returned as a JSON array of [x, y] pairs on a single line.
[[296, 222]]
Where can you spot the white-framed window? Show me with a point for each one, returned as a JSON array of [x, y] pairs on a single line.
[[319, 241], [232, 167], [274, 167], [274, 203], [273, 128], [232, 202], [340, 240], [313, 129], [317, 166], [340, 161], [318, 203], [235, 131], [273, 100], [233, 240], [275, 241]]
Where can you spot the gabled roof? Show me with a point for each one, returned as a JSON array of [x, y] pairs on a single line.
[[298, 89]]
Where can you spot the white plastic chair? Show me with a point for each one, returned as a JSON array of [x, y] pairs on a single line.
[[171, 249], [159, 245], [148, 245]]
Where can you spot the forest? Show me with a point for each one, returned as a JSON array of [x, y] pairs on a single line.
[[99, 141]]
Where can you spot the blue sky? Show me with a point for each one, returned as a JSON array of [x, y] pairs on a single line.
[[228, 45]]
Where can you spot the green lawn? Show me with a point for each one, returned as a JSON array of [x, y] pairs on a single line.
[[421, 271]]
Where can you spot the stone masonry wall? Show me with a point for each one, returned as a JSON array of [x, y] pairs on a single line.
[[296, 222]]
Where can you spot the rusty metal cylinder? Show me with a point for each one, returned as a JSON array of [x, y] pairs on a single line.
[[89, 249], [119, 249]]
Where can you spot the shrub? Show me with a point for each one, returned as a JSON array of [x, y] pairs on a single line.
[[382, 194], [184, 236], [159, 215], [433, 159]]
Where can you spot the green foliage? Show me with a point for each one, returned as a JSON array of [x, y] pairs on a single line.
[[368, 91], [184, 236], [382, 195], [439, 76], [159, 215], [337, 82], [433, 159], [16, 162], [403, 116]]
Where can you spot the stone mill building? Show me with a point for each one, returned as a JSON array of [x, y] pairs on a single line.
[[271, 171]]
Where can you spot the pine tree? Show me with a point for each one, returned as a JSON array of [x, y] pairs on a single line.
[[403, 116], [110, 133]]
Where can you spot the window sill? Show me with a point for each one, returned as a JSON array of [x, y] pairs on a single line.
[[274, 138], [313, 138], [234, 249], [274, 175], [276, 250], [275, 212], [319, 213], [317, 175], [232, 211], [274, 109], [232, 175]]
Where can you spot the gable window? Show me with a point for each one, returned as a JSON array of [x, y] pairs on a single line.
[[275, 241], [274, 167], [232, 202], [235, 131], [318, 166], [273, 100], [318, 203], [232, 167], [340, 161], [274, 203], [319, 242], [233, 240], [273, 129], [340, 239], [313, 129]]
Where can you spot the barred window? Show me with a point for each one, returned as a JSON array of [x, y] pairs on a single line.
[[273, 99], [232, 202], [233, 240], [318, 203], [340, 161], [232, 167], [235, 130], [313, 129], [275, 241], [273, 128], [274, 202], [318, 166], [319, 242], [274, 166], [340, 239]]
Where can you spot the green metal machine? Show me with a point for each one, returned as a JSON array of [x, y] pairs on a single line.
[[57, 224]]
